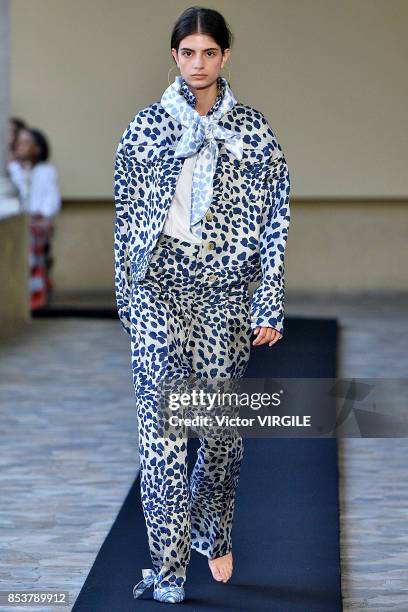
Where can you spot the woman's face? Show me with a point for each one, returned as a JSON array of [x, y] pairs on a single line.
[[26, 149], [200, 54]]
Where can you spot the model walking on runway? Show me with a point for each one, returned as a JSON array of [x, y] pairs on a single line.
[[202, 209]]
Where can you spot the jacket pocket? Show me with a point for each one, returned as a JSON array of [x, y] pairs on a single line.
[[253, 161], [244, 179]]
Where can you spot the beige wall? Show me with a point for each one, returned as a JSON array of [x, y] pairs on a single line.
[[328, 74], [83, 248]]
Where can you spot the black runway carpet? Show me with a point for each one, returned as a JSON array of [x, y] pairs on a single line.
[[286, 521]]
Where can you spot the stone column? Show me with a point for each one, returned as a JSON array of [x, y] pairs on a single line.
[[9, 202]]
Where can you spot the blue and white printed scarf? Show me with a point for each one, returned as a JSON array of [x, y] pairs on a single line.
[[199, 136]]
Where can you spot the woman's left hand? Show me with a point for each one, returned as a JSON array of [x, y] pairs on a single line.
[[266, 334]]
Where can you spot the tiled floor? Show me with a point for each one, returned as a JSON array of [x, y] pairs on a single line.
[[69, 450]]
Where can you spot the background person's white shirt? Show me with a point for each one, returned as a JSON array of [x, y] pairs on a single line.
[[38, 187], [20, 177], [177, 222]]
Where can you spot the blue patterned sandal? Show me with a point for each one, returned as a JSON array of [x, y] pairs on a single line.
[[148, 580], [169, 594]]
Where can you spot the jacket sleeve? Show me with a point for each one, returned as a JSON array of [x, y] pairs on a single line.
[[121, 235], [267, 305]]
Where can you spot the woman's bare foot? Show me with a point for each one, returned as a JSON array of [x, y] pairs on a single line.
[[221, 567]]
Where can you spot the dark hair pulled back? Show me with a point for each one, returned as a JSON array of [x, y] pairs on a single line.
[[201, 20]]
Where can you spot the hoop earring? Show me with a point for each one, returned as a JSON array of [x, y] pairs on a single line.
[[168, 74]]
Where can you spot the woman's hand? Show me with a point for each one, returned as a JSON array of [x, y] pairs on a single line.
[[266, 334]]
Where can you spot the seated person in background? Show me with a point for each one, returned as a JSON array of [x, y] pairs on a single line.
[[36, 180]]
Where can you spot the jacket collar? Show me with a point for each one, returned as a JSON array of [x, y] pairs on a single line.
[[186, 92]]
